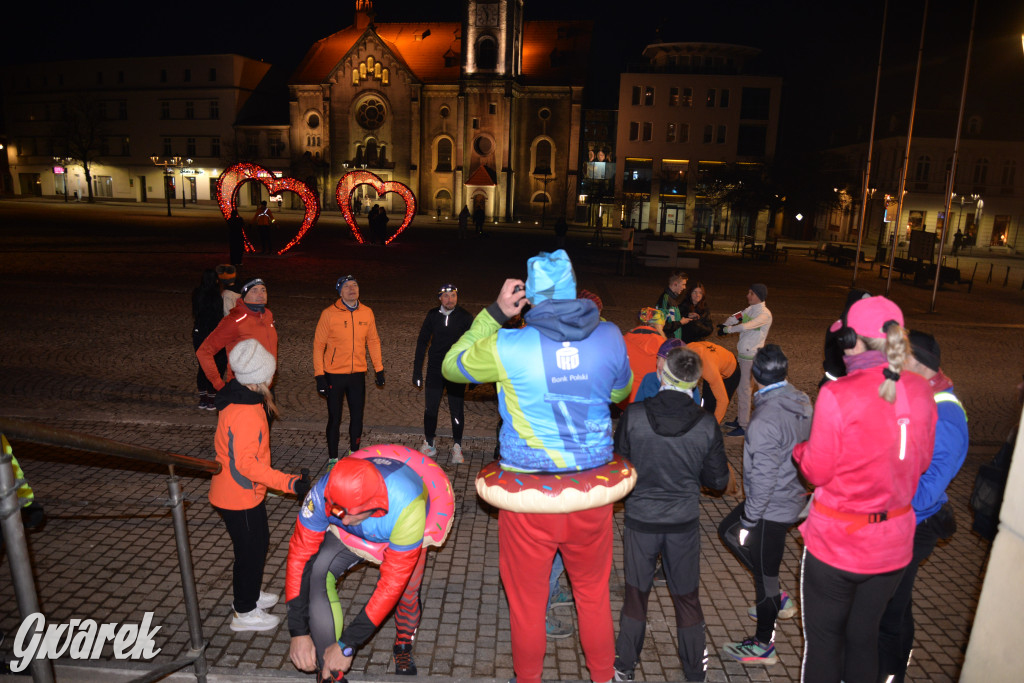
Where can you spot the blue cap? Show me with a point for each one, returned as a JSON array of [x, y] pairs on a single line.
[[342, 280], [550, 276]]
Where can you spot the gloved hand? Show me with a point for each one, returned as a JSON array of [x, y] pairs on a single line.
[[302, 485], [417, 380], [380, 378], [722, 330], [321, 385]]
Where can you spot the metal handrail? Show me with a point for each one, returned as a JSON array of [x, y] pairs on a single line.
[[17, 547]]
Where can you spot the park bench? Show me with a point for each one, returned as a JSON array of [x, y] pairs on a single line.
[[903, 266]]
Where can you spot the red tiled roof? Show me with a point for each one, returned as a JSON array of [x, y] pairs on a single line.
[[425, 57], [481, 177], [553, 51]]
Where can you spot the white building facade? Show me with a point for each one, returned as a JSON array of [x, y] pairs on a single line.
[[183, 106]]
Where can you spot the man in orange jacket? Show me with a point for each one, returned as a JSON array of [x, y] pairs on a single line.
[[721, 376], [345, 332], [249, 319]]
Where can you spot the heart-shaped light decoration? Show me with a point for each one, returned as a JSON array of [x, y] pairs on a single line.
[[354, 179], [233, 177]]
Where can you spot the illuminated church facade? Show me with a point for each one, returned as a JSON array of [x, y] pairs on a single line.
[[485, 112]]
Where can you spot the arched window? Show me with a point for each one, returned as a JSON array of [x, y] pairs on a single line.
[[981, 171], [444, 155], [371, 152], [923, 168], [486, 53], [540, 198], [543, 154]]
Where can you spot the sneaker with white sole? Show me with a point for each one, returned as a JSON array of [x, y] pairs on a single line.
[[267, 600], [556, 630], [457, 458], [623, 675], [256, 620], [751, 651], [787, 611], [427, 449]]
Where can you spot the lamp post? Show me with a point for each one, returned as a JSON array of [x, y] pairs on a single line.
[[64, 162], [185, 162], [961, 200], [167, 164]]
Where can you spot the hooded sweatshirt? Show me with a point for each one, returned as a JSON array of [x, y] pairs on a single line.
[[676, 447], [555, 379], [781, 419]]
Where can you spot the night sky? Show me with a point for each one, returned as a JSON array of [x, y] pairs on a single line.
[[826, 50]]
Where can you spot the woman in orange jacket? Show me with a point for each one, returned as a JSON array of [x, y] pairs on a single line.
[[238, 491]]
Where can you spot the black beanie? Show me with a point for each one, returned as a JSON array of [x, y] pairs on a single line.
[[925, 349]]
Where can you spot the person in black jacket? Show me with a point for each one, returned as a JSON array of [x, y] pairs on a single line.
[[676, 447], [441, 328], [832, 364], [206, 315]]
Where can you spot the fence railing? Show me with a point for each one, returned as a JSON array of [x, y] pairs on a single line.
[[17, 547]]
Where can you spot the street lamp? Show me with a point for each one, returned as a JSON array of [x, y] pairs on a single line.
[[167, 164], [961, 200], [186, 162], [64, 162]]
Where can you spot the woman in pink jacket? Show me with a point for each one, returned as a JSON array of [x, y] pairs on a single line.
[[871, 439]]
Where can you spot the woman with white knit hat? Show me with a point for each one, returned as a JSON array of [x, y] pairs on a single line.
[[239, 490]]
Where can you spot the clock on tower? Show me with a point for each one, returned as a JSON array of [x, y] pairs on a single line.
[[487, 14]]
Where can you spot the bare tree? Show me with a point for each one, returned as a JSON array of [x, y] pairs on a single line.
[[82, 129]]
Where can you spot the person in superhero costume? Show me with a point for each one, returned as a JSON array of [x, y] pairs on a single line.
[[378, 500]]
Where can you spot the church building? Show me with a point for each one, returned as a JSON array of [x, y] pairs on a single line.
[[485, 112]]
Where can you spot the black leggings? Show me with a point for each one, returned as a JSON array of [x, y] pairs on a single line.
[[351, 387], [436, 386], [250, 535], [762, 555], [841, 612], [326, 616]]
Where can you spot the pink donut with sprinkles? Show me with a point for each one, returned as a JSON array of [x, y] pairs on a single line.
[[440, 507], [550, 492]]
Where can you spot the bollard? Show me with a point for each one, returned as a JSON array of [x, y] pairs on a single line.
[[1006, 278], [989, 273]]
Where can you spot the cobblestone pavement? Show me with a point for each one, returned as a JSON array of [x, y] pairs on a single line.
[[96, 338]]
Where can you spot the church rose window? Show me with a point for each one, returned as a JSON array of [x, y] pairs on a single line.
[[370, 113]]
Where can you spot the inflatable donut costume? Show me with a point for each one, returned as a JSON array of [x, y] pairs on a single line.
[[548, 492], [440, 505]]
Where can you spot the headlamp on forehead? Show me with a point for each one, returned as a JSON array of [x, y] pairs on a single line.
[[447, 288]]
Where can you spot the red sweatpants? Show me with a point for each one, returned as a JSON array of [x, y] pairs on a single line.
[[527, 544]]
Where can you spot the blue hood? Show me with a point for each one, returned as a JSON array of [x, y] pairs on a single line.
[[564, 319]]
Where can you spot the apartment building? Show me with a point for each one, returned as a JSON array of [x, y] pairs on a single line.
[[688, 113]]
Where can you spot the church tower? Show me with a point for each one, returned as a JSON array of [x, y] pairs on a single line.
[[493, 39]]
